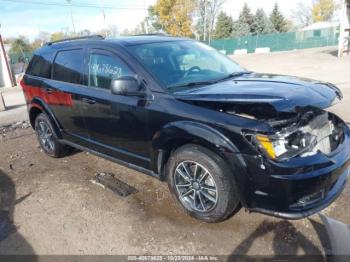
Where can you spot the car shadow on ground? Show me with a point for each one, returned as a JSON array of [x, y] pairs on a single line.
[[9, 236], [287, 241]]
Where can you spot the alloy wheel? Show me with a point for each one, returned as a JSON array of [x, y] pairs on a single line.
[[195, 186], [46, 136]]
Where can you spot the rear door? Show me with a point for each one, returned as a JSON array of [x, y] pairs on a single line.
[[56, 78], [117, 125], [65, 90]]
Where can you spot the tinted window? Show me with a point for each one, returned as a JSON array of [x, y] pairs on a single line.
[[40, 66], [68, 66], [103, 68]]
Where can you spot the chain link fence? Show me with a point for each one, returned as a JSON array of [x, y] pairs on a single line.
[[19, 62], [20, 57], [280, 41]]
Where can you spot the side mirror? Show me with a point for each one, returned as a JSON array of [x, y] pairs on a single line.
[[126, 86]]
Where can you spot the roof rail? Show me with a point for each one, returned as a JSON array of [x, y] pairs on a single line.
[[76, 38], [152, 34]]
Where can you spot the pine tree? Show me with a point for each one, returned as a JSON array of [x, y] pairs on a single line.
[[261, 24], [277, 19], [243, 25], [246, 16], [224, 26], [240, 29]]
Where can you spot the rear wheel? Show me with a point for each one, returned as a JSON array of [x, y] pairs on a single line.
[[48, 139], [202, 183]]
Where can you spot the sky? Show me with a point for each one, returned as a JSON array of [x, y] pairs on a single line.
[[29, 17]]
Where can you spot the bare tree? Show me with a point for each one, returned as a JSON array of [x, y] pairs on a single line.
[[113, 29], [213, 9], [40, 39], [303, 14], [201, 26], [208, 11]]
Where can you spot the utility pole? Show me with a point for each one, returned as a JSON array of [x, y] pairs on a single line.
[[205, 21], [104, 18], [146, 20], [71, 14]]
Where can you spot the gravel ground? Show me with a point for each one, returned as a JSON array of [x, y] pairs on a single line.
[[49, 206]]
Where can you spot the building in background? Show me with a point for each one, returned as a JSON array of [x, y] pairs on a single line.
[[344, 36], [6, 79], [317, 29]]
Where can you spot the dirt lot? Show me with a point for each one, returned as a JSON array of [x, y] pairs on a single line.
[[57, 210]]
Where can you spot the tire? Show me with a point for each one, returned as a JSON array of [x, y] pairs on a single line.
[[221, 203], [48, 139]]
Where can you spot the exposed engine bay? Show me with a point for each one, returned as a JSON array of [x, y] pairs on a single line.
[[302, 133], [309, 133]]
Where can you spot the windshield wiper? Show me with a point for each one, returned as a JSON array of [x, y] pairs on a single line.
[[200, 83], [192, 84], [233, 75]]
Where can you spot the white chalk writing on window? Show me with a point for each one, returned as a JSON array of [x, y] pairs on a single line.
[[106, 70]]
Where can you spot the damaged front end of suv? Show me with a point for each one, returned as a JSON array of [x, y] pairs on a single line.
[[298, 157], [303, 135]]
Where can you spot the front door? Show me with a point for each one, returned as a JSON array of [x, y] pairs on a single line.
[[117, 125]]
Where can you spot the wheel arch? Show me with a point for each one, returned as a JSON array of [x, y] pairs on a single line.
[[38, 106], [177, 134]]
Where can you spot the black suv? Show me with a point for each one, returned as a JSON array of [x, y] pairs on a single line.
[[178, 110]]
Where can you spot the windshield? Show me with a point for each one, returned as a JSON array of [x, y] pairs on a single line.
[[185, 63]]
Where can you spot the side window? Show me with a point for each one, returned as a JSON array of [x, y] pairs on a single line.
[[68, 66], [40, 66], [103, 68]]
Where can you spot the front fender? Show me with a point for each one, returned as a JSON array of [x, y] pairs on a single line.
[[178, 133], [193, 131]]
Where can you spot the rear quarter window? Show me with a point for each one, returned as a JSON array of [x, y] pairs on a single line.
[[40, 65], [68, 66]]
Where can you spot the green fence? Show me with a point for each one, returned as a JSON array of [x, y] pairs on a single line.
[[20, 57], [281, 41], [276, 42]]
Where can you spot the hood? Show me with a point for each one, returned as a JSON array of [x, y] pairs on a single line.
[[282, 93]]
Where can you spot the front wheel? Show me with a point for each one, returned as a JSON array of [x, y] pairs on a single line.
[[202, 183]]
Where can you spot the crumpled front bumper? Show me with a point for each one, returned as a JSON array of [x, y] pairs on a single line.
[[296, 188], [309, 209]]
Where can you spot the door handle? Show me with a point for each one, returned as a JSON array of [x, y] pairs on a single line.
[[88, 100], [48, 90]]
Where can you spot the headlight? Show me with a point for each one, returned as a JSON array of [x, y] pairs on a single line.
[[309, 136], [282, 147]]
